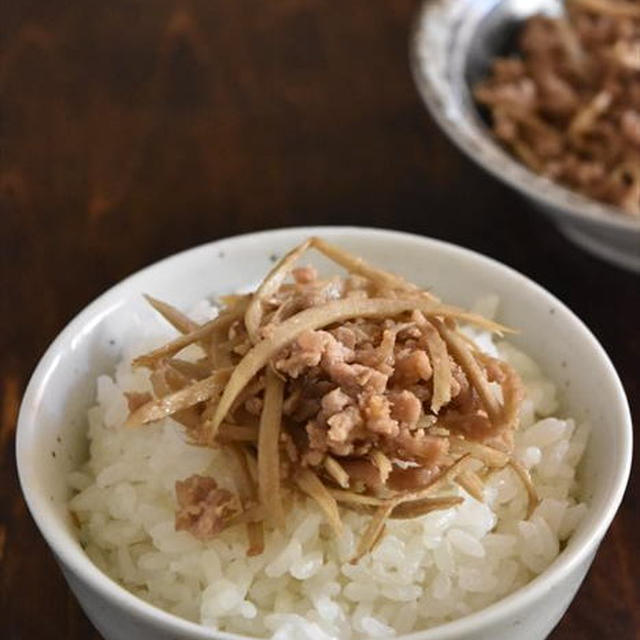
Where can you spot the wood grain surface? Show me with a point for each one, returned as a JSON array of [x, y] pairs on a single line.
[[131, 129]]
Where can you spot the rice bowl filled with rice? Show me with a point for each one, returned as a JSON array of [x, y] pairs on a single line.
[[399, 518]]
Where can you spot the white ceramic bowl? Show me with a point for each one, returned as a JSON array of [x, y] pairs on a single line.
[[452, 47], [52, 415]]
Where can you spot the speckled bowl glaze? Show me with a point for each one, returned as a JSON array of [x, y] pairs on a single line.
[[452, 45], [52, 426]]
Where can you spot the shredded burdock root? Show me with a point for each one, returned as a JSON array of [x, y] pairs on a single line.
[[358, 391], [569, 105]]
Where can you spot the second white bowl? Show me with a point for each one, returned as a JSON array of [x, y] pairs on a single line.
[[452, 47]]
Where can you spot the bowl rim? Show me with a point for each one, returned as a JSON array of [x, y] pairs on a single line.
[[540, 189], [71, 556]]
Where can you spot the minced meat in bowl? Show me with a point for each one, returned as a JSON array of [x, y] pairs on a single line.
[[545, 132], [567, 101], [327, 456]]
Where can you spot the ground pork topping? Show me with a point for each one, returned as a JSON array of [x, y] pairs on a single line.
[[305, 275], [405, 407], [203, 508], [568, 106], [334, 401], [356, 378], [411, 367], [350, 390], [342, 424]]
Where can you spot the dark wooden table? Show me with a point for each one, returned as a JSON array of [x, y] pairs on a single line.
[[133, 129]]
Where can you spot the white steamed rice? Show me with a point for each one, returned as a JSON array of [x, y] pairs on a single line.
[[425, 571]]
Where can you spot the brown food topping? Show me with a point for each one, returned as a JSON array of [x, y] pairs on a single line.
[[356, 390], [569, 105], [203, 509]]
